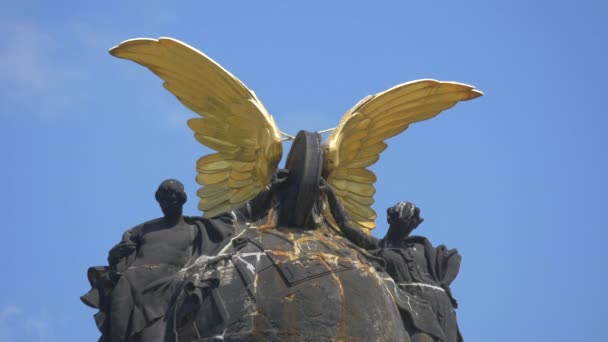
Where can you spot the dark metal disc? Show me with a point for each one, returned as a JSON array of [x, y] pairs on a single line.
[[305, 164]]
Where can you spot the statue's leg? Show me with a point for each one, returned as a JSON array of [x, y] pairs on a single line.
[[415, 334], [421, 337], [153, 333]]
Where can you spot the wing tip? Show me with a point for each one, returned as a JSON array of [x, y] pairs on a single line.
[[475, 94], [117, 50], [124, 45]]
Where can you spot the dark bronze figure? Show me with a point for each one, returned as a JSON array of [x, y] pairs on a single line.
[[133, 293], [418, 268]]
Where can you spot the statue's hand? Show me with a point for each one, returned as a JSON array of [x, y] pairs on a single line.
[[278, 179], [404, 214], [399, 213], [326, 188]]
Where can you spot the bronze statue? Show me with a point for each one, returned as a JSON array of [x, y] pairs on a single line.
[[279, 253], [134, 292], [421, 270], [424, 271]]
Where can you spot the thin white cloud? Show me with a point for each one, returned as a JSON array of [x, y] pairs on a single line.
[[41, 327], [8, 332], [47, 72], [18, 325], [22, 58], [8, 311], [31, 72]]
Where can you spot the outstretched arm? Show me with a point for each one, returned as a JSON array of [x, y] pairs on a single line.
[[354, 234], [260, 204]]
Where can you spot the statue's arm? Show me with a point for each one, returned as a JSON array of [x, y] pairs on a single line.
[[256, 207], [446, 269], [353, 233], [452, 261], [123, 253], [358, 237]]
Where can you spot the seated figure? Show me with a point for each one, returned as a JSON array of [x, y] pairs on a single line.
[[418, 268], [133, 293]]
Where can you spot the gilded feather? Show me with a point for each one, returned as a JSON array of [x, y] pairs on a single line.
[[358, 140], [234, 122]]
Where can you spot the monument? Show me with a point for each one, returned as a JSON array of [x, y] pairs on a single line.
[[278, 254]]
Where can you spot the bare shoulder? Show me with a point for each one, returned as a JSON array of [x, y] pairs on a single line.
[[156, 221]]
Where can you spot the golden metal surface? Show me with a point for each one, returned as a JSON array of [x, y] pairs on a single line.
[[236, 125], [234, 122]]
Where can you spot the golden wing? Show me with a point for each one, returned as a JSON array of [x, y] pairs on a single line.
[[358, 140], [234, 122]]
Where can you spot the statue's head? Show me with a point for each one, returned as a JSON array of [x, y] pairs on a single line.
[[171, 197], [404, 216]]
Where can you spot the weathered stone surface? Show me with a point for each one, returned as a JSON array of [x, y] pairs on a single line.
[[287, 284], [261, 273]]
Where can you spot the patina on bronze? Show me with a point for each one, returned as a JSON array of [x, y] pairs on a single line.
[[279, 254]]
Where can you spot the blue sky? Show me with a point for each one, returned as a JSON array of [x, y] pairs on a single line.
[[516, 180]]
